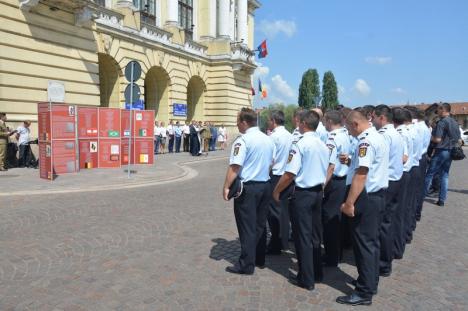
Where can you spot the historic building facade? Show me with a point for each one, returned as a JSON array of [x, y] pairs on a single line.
[[193, 52]]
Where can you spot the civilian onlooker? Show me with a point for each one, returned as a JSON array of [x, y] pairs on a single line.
[[170, 134], [163, 134], [157, 137], [178, 136], [206, 137], [194, 140], [23, 136], [4, 135], [446, 136], [222, 137], [214, 137], [186, 133]]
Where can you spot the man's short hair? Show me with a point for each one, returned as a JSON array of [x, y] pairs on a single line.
[[310, 119], [401, 115], [368, 110], [358, 114], [385, 111], [334, 116], [248, 116], [446, 107], [344, 112], [277, 116], [298, 111]]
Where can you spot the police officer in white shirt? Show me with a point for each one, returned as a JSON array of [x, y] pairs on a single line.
[[338, 143], [307, 166], [251, 158], [382, 119], [278, 218], [157, 137], [186, 136], [367, 179], [400, 116], [171, 134], [321, 130], [296, 134]]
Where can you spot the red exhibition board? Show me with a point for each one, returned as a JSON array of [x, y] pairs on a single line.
[[143, 151], [89, 153], [63, 121], [109, 122], [45, 160], [144, 123], [64, 156], [109, 153], [43, 119], [87, 122]]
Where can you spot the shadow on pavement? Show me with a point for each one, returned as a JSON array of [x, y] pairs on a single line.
[[225, 250], [464, 191]]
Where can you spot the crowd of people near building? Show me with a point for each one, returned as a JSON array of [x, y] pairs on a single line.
[[349, 178], [195, 137]]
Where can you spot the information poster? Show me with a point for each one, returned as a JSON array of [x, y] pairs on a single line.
[[87, 122], [109, 153], [43, 120], [125, 123], [89, 152], [64, 156], [45, 160], [144, 151], [109, 122], [144, 124], [125, 155], [63, 121]]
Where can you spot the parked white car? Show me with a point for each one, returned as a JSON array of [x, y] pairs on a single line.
[[464, 137]]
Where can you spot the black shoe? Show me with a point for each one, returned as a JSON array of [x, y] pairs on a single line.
[[260, 266], [440, 203], [237, 270], [273, 252], [296, 282], [354, 300], [385, 274]]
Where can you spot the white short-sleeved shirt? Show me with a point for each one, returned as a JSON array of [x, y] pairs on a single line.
[[408, 146], [417, 144], [282, 140], [170, 129], [157, 131], [372, 152], [396, 147], [338, 143], [426, 133], [253, 151], [296, 134], [24, 134], [222, 134], [163, 131], [322, 132], [308, 161], [186, 129]]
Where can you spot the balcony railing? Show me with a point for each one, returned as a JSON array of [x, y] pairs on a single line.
[[152, 32], [109, 17], [240, 52]]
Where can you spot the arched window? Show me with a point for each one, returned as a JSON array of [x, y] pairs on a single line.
[[186, 16]]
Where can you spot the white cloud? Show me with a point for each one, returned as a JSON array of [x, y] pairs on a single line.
[[261, 71], [378, 60], [398, 90], [272, 28], [362, 87], [282, 88]]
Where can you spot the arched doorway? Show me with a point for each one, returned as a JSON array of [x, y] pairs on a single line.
[[157, 91], [195, 99], [109, 81]]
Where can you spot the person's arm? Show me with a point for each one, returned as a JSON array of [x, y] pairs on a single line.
[[439, 131], [330, 170], [231, 174], [357, 186], [282, 184]]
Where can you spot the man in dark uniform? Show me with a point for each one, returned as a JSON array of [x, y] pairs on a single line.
[[367, 179], [251, 158], [194, 142], [308, 154]]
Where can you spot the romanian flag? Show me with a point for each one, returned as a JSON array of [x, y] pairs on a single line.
[[262, 90], [262, 50]]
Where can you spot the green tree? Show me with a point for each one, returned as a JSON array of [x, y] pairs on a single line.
[[309, 90], [288, 116], [329, 91]]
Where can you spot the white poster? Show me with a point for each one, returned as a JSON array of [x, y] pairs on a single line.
[[115, 149], [93, 146]]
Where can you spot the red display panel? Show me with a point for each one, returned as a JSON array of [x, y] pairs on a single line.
[[142, 151], [109, 153], [89, 153], [63, 121], [109, 122], [43, 121], [144, 123], [64, 156], [45, 161], [87, 122], [125, 123]]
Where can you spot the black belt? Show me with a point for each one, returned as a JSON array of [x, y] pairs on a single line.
[[378, 192], [334, 177], [314, 188], [254, 182]]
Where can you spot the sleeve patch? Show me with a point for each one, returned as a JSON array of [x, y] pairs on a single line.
[[290, 157], [362, 151], [236, 148], [330, 146]]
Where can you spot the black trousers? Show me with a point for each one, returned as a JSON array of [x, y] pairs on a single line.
[[177, 143], [366, 245], [305, 208], [415, 183], [186, 142], [171, 143], [386, 232], [23, 155], [399, 217], [250, 211], [278, 221], [422, 174], [334, 196]]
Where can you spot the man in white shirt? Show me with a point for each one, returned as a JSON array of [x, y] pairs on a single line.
[[170, 133], [22, 135], [186, 136], [157, 137]]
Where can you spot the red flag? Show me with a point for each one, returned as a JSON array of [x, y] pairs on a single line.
[[262, 50]]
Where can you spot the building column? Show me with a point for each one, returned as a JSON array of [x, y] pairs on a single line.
[[212, 30], [223, 19], [242, 30], [172, 13]]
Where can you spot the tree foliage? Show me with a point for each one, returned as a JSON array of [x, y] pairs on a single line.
[[329, 91], [309, 90], [288, 115]]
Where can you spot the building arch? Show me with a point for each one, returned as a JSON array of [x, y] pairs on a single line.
[[195, 99], [157, 91], [109, 81]]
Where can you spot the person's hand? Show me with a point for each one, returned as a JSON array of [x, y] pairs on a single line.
[[344, 158], [347, 209], [276, 196], [225, 194]]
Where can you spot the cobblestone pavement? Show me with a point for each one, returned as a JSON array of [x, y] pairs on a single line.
[[166, 247]]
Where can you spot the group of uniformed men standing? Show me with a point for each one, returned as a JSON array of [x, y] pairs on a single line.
[[359, 173]]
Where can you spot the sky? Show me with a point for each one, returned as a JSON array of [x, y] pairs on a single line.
[[380, 51]]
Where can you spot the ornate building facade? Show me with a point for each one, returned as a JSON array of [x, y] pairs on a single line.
[[193, 52]]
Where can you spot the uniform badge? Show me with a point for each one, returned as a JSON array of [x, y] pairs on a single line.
[[291, 155], [236, 149], [363, 149]]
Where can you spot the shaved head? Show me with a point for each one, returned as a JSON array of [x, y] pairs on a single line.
[[319, 112], [356, 122], [356, 116]]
